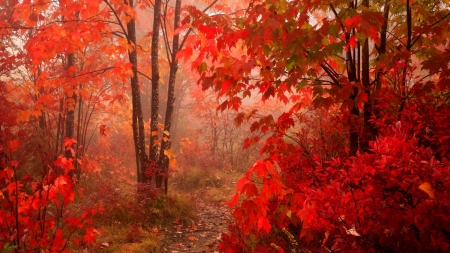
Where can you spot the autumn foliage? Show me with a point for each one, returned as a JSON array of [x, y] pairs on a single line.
[[347, 101], [358, 162], [34, 215], [393, 198]]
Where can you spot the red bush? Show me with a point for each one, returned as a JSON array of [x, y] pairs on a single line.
[[33, 214], [393, 199]]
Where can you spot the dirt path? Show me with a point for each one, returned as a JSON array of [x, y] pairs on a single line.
[[203, 235]]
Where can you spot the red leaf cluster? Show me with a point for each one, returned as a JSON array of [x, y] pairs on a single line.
[[396, 197], [31, 210]]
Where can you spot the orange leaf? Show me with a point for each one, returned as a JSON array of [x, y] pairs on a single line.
[[68, 142], [426, 187], [173, 163], [169, 153], [60, 181]]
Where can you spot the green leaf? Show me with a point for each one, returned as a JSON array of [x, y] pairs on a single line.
[[291, 62], [282, 6], [301, 85], [266, 50]]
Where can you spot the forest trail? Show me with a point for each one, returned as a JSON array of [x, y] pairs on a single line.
[[203, 235]]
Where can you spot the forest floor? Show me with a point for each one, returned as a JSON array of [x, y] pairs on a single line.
[[203, 234], [191, 218]]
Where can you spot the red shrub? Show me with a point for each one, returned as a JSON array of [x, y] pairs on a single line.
[[393, 199], [33, 214]]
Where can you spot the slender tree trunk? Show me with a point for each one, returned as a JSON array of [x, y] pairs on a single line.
[[354, 113], [138, 121], [379, 75], [163, 162], [59, 129], [71, 101], [368, 126], [79, 137], [382, 47], [155, 90], [42, 124], [165, 145], [405, 68]]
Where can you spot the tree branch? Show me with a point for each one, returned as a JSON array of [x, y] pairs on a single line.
[[190, 29], [144, 75], [118, 19]]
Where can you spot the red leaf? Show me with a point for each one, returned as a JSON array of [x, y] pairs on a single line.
[[103, 130], [234, 200], [241, 183], [226, 85], [184, 53], [13, 145], [362, 98], [89, 237], [353, 21], [264, 224], [64, 163]]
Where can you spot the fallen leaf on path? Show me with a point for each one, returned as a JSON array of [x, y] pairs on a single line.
[[191, 238]]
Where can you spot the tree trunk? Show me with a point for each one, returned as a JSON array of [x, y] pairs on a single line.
[[79, 137], [368, 126], [165, 144], [382, 47], [405, 69], [138, 122], [153, 153], [378, 77], [71, 101], [59, 129], [354, 113]]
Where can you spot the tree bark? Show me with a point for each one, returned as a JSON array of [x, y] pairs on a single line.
[[379, 75], [79, 136], [153, 153], [71, 101], [138, 121], [354, 112], [165, 144], [405, 69], [59, 129], [368, 126]]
